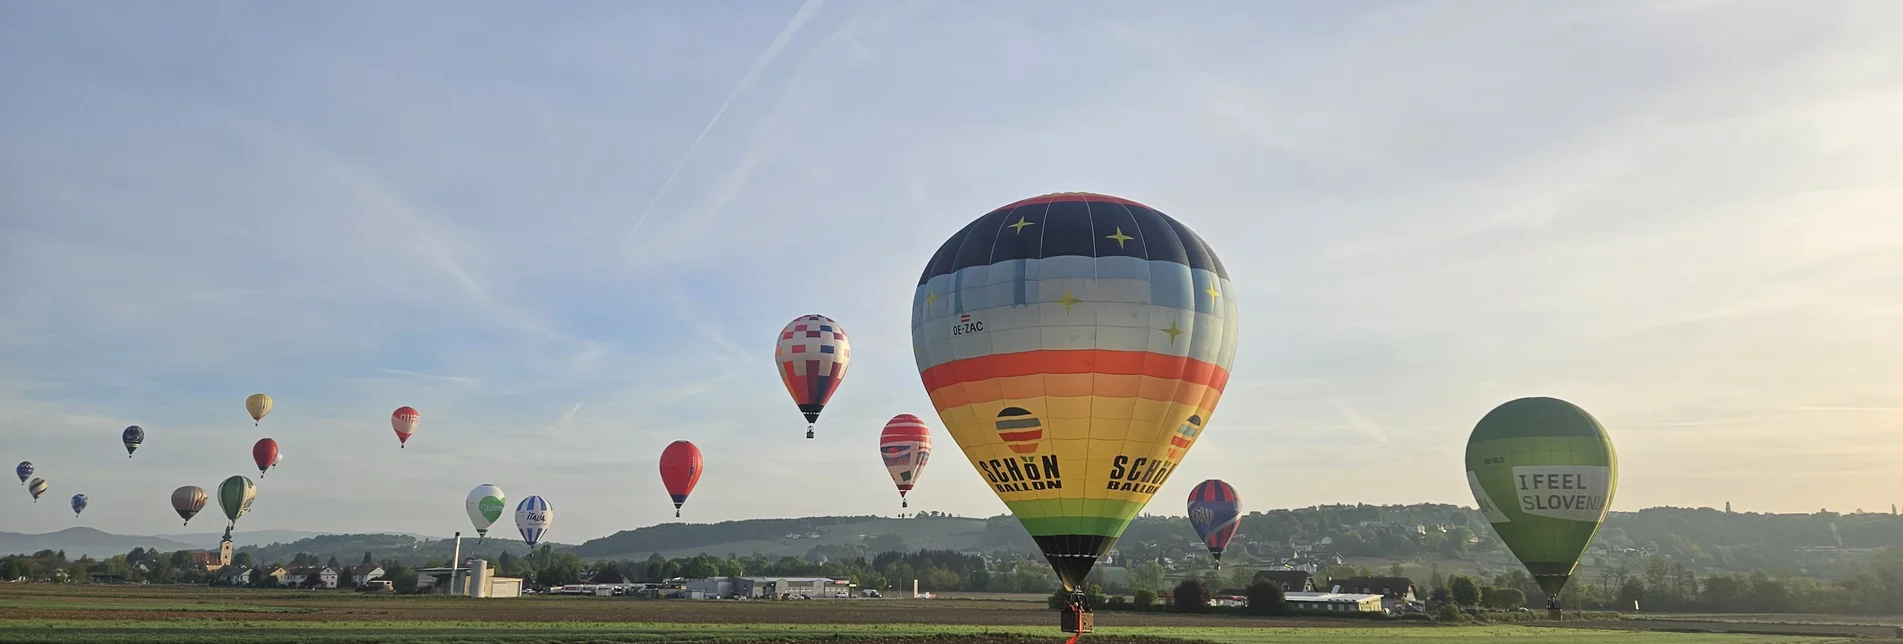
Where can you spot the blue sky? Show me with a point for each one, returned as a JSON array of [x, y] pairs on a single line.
[[1680, 215]]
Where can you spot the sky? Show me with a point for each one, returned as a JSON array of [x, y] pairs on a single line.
[[569, 237]]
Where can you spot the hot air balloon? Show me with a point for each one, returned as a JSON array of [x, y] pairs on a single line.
[[258, 405], [79, 504], [532, 518], [24, 469], [1074, 345], [235, 496], [133, 436], [36, 488], [485, 505], [187, 501], [265, 454], [906, 443], [812, 356], [404, 420], [1555, 467], [1215, 511], [680, 470]]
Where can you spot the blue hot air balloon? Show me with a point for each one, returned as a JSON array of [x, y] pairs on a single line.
[[25, 470], [79, 504], [132, 437], [533, 517], [1216, 512]]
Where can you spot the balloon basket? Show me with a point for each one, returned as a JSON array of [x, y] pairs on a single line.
[[1076, 618], [809, 432], [1077, 622]]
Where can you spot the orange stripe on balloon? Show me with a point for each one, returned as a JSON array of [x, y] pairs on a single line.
[[1100, 362], [1075, 386], [1013, 437]]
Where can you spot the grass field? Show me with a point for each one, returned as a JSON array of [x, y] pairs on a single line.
[[148, 614]]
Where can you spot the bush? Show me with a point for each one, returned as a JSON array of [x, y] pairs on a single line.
[[1093, 597], [1144, 598], [1192, 596], [1451, 614], [1266, 598]]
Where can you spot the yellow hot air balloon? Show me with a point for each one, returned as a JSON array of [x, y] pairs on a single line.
[[1074, 345], [258, 405]]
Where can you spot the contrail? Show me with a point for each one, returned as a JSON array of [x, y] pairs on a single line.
[[766, 58]]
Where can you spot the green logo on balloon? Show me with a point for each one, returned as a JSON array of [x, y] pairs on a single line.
[[491, 507]]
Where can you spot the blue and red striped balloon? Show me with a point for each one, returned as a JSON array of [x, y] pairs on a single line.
[[1216, 513]]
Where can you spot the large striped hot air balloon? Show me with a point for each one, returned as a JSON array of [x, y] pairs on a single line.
[[235, 496], [1215, 512], [812, 355], [258, 405], [1074, 345], [36, 487], [905, 444]]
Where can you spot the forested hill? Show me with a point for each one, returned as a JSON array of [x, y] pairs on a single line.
[[1703, 537]]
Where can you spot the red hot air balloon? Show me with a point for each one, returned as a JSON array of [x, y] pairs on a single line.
[[404, 420], [680, 470], [812, 356], [906, 443], [265, 454]]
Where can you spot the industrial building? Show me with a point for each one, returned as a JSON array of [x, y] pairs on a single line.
[[1333, 603], [475, 579], [768, 587]]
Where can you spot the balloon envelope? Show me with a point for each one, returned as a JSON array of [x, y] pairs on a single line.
[[79, 504], [404, 421], [24, 470], [1216, 512], [265, 454], [235, 496], [484, 505], [132, 437], [812, 355], [905, 444], [258, 405], [36, 488], [187, 501], [1074, 345], [1543, 472], [532, 518], [680, 470]]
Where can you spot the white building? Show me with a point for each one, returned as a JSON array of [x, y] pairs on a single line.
[[297, 577], [1333, 603]]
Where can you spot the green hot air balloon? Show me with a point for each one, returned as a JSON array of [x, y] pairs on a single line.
[[235, 496], [1543, 472]]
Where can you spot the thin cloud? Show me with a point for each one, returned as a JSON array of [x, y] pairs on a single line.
[[793, 26], [460, 380]]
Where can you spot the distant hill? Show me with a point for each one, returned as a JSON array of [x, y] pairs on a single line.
[[241, 538], [404, 548], [78, 542], [836, 536]]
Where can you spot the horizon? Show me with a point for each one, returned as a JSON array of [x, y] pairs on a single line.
[[566, 239]]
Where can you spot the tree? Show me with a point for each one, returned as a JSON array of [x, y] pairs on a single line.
[[1144, 598], [181, 559], [346, 578], [505, 561], [608, 574], [1148, 574], [1192, 596], [368, 560], [333, 563], [1463, 590], [1266, 598], [314, 579], [242, 559], [1505, 598]]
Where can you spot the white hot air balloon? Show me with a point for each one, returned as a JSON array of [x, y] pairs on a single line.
[[485, 504]]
